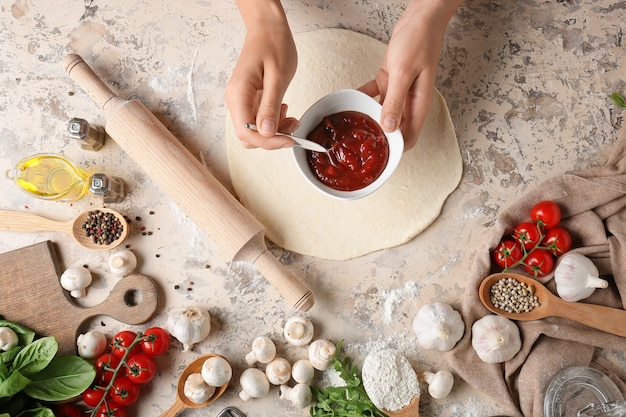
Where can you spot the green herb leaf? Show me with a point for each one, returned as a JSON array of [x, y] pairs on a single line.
[[35, 356], [24, 334], [13, 384], [619, 100], [64, 378], [39, 411]]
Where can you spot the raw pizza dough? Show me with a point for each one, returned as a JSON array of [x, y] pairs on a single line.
[[300, 218]]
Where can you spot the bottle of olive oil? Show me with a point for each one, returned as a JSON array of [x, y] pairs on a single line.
[[50, 177]]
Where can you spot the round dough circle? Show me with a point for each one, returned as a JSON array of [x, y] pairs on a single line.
[[301, 219]]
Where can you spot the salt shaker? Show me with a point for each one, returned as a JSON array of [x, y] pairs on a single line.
[[91, 138], [112, 189]]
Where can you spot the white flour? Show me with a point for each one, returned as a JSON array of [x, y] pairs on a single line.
[[389, 380]]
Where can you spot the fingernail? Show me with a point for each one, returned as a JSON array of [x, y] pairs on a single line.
[[268, 127], [390, 123]]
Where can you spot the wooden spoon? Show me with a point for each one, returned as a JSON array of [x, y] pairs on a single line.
[[607, 319], [15, 221], [412, 409], [182, 401]]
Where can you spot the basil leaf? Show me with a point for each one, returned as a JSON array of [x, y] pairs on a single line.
[[13, 384], [36, 356], [40, 411], [65, 377], [619, 100], [24, 334], [8, 356]]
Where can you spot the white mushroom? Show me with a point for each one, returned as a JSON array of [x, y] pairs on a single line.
[[254, 384], [321, 353], [197, 390], [298, 331], [122, 262], [216, 371], [76, 280], [439, 384], [263, 350], [91, 344], [300, 395], [278, 371], [8, 339], [302, 371]]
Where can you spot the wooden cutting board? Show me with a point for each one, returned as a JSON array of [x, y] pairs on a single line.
[[31, 294]]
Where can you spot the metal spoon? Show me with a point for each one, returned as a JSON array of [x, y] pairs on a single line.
[[303, 143], [15, 221], [181, 399], [607, 319]]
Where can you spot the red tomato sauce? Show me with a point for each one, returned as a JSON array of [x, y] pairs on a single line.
[[358, 154]]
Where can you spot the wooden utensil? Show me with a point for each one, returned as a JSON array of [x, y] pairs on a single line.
[[16, 221], [182, 401], [199, 194], [410, 410], [607, 319], [32, 296]]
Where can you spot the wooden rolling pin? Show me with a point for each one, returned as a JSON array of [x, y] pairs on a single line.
[[188, 182]]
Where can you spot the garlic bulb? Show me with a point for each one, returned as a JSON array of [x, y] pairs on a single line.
[[216, 371], [189, 326], [76, 280], [254, 384], [197, 390], [298, 331], [577, 277], [278, 371], [8, 339], [122, 262], [438, 326], [439, 384], [300, 395], [263, 350], [302, 371], [495, 339], [91, 344], [321, 353]]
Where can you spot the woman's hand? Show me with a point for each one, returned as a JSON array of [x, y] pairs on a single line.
[[406, 79], [266, 65]]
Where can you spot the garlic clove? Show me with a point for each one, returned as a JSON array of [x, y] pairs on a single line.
[[300, 395], [76, 280], [302, 371], [321, 353], [278, 371], [576, 277], [254, 384], [122, 262], [91, 344], [189, 325], [216, 371], [8, 339], [263, 351], [495, 339], [298, 331], [439, 384], [197, 390], [438, 326]]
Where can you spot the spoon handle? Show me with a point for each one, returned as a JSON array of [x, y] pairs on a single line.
[[15, 221], [607, 319], [174, 409], [301, 142]]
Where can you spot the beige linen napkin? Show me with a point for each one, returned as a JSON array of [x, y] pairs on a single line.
[[593, 205]]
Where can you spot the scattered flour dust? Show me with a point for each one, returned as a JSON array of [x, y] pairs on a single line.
[[389, 380], [393, 298]]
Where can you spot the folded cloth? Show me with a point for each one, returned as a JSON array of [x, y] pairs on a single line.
[[593, 206]]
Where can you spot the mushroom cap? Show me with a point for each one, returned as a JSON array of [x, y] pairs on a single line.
[[75, 278], [254, 383], [302, 371], [278, 371], [298, 331], [216, 371]]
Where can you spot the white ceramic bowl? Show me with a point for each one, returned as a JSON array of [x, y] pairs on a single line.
[[338, 101]]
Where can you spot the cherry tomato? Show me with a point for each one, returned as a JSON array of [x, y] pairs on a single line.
[[111, 409], [68, 410], [105, 365], [122, 341], [527, 234], [507, 253], [539, 263], [124, 391], [546, 213], [157, 343], [92, 396], [557, 240], [140, 368]]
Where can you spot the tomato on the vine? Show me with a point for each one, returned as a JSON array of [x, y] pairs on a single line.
[[157, 342], [527, 234], [122, 341], [507, 253], [68, 410], [557, 240], [539, 263], [105, 365], [92, 395], [546, 213], [140, 368], [124, 391], [111, 409]]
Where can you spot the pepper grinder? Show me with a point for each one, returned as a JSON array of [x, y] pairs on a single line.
[[112, 189], [90, 138]]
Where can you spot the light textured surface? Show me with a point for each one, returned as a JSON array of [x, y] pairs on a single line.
[[527, 85]]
